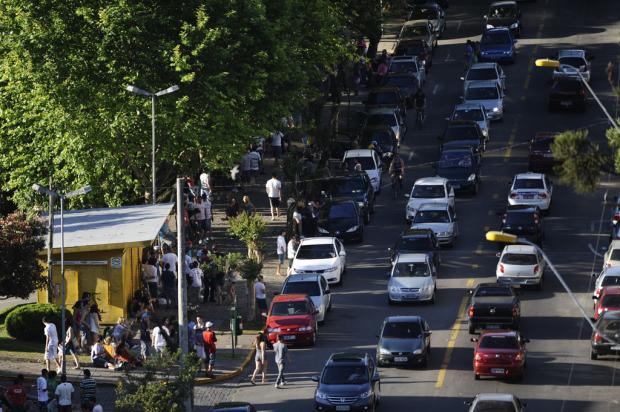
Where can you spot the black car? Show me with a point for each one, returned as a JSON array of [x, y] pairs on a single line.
[[341, 219], [233, 407], [445, 4], [390, 97], [461, 167], [406, 82], [524, 221], [493, 306], [385, 140], [356, 187], [504, 14], [567, 93], [417, 241], [541, 158], [415, 47], [404, 341], [609, 324], [463, 133], [348, 382]]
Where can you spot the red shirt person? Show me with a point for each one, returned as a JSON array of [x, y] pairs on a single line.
[[209, 338], [16, 394]]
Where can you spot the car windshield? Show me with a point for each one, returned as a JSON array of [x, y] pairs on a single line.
[[366, 162], [316, 252], [382, 138], [347, 186], [308, 288], [502, 12], [414, 31], [455, 160], [528, 184], [381, 119], [519, 219], [474, 115], [611, 281], [297, 307], [401, 330], [432, 216], [499, 342], [611, 301], [542, 145], [609, 325], [482, 74], [576, 62], [422, 13], [494, 406], [615, 254], [493, 291], [411, 270], [403, 66], [567, 85], [339, 211], [383, 98], [496, 38], [481, 93], [519, 259], [412, 244], [345, 375], [410, 49], [456, 133], [401, 81], [428, 191]]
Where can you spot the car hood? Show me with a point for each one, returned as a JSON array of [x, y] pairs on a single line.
[[346, 390], [455, 173], [501, 21], [487, 104], [288, 321], [358, 197], [410, 282], [314, 264], [401, 345], [415, 202], [494, 47], [337, 224], [435, 227]]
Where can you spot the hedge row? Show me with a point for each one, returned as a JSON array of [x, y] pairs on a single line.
[[26, 322]]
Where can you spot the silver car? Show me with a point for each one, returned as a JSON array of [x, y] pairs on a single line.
[[570, 62], [472, 112], [485, 71], [419, 29], [413, 278], [409, 64], [488, 94], [440, 218], [495, 402]]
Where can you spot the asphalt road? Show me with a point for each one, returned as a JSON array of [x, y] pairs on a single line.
[[560, 376]]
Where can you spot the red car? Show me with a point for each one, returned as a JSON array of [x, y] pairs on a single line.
[[609, 300], [294, 317], [499, 353]]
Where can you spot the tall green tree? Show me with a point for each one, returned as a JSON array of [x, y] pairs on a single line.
[[582, 162]]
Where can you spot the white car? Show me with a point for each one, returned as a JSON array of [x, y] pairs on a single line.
[[440, 218], [532, 189], [570, 62], [371, 164], [610, 276], [390, 118], [612, 256], [408, 64], [485, 72], [472, 112], [489, 94], [428, 190], [324, 255], [313, 285], [496, 402], [520, 265], [412, 278]]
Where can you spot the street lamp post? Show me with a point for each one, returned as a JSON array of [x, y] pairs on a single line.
[[54, 194], [495, 236], [152, 95]]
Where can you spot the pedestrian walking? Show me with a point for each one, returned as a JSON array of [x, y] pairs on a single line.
[[255, 163], [196, 277], [469, 54], [208, 211], [232, 210], [281, 356], [260, 294], [260, 358], [150, 277], [276, 145], [88, 388], [297, 222], [169, 283], [274, 193], [170, 258], [51, 343], [291, 250], [64, 393], [145, 336], [42, 396], [209, 340], [205, 183], [199, 345], [281, 251], [69, 345]]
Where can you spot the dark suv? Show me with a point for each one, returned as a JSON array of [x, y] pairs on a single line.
[[567, 93], [523, 221], [541, 157], [461, 133], [356, 187], [348, 382], [417, 241]]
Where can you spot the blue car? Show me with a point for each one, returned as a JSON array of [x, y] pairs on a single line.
[[497, 45]]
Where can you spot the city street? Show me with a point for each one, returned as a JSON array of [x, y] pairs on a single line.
[[560, 375]]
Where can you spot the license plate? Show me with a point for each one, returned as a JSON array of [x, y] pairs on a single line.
[[412, 296], [566, 104], [616, 348], [492, 327], [497, 370], [289, 337], [528, 196], [343, 408], [400, 359]]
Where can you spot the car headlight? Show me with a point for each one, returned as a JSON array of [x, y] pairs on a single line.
[[361, 204], [495, 109], [410, 209], [366, 395], [485, 133], [353, 229], [394, 289], [383, 351], [374, 179], [305, 329], [489, 26], [471, 177], [272, 330], [443, 234], [321, 395], [417, 352], [514, 25], [331, 269], [321, 230]]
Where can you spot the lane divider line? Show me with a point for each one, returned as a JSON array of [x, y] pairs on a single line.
[[455, 330], [511, 141]]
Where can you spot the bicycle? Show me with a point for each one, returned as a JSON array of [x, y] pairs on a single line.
[[397, 184], [420, 115]]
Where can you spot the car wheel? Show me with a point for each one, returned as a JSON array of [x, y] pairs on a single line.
[[472, 329], [313, 342], [539, 286], [428, 349], [432, 301], [424, 362], [593, 355], [476, 377]]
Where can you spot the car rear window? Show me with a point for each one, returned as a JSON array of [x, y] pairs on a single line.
[[347, 186], [611, 301], [519, 259], [401, 81], [499, 342], [308, 288], [609, 325], [411, 244], [410, 49], [496, 38], [366, 162], [468, 114], [615, 254], [482, 74], [407, 66], [494, 406], [576, 62], [611, 281], [519, 219], [423, 13], [412, 31], [345, 375], [316, 252], [493, 291], [455, 159], [481, 93], [401, 330], [528, 184], [567, 85], [502, 12], [411, 270], [297, 307], [465, 132]]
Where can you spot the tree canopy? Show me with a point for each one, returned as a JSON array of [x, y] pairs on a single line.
[[64, 112]]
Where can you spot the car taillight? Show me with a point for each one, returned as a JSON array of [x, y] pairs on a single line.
[[515, 311], [478, 357], [616, 218], [598, 338], [542, 195], [501, 268], [513, 195], [536, 269], [471, 311]]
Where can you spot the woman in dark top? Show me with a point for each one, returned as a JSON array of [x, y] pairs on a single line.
[[232, 210]]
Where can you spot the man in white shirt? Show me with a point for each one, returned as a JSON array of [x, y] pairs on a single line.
[[42, 396], [205, 183], [261, 296], [281, 251], [64, 392], [51, 343], [170, 258], [274, 192], [196, 277], [291, 249]]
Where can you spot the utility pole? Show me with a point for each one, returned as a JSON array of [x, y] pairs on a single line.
[[182, 283], [50, 244]]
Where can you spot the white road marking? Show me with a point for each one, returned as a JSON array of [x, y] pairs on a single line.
[[410, 155], [458, 26], [435, 88], [448, 57], [594, 251]]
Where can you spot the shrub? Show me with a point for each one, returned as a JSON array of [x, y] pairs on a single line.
[[26, 322], [6, 311]]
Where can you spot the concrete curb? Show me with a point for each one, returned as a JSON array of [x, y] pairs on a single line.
[[226, 376]]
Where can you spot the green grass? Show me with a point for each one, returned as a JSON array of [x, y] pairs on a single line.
[[14, 349]]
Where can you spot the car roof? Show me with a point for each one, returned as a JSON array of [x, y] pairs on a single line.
[[322, 240], [402, 318], [611, 271], [492, 285], [522, 209], [358, 153], [478, 84], [433, 206], [303, 277], [434, 180], [483, 65], [411, 257], [525, 249], [571, 53], [507, 397], [289, 297]]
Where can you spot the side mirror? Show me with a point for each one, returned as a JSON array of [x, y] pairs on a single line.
[[328, 292], [594, 297], [406, 195], [315, 378], [342, 253], [525, 340], [470, 291], [462, 78], [473, 339], [389, 249], [594, 274], [498, 254], [467, 403]]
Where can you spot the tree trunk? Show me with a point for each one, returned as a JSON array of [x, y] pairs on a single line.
[[251, 299]]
